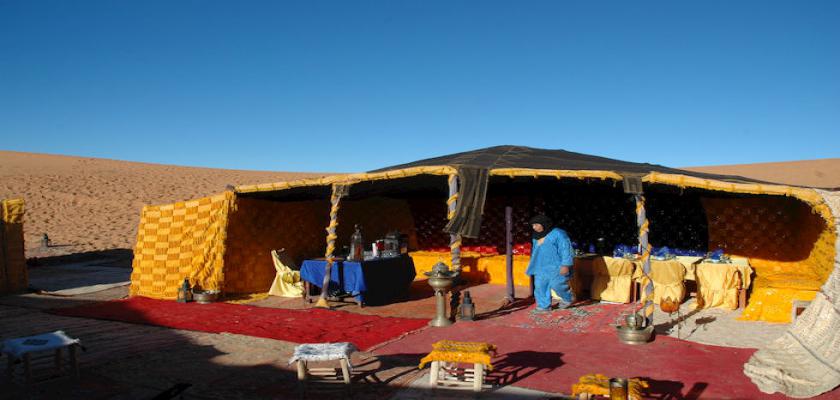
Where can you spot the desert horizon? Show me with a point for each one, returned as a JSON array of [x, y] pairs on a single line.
[[90, 204]]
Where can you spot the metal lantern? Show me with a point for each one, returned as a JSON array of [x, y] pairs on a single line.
[[356, 245], [467, 307], [184, 292]]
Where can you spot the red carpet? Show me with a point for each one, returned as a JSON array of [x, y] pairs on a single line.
[[299, 326], [548, 359]]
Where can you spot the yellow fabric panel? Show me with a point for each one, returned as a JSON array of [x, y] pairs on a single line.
[[690, 264], [788, 243], [460, 352], [177, 241], [14, 276], [597, 384], [259, 226], [496, 269], [287, 282], [774, 304], [470, 268], [718, 284], [668, 279], [612, 279], [13, 211]]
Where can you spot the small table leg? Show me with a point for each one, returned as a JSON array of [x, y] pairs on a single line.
[[433, 374], [301, 375], [345, 371], [478, 377]]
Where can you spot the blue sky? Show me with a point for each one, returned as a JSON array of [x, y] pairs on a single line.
[[352, 86]]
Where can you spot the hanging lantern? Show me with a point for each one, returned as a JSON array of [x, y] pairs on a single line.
[[184, 292], [467, 307]]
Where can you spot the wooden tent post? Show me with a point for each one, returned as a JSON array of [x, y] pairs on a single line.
[[643, 224], [511, 296], [454, 239], [338, 191]]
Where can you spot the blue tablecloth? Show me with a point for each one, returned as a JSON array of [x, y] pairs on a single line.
[[373, 281]]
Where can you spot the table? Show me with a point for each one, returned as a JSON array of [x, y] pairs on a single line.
[[668, 279], [723, 284], [690, 264], [612, 279], [375, 281]]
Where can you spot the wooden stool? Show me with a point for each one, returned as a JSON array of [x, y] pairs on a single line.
[[445, 356], [22, 350], [340, 352]]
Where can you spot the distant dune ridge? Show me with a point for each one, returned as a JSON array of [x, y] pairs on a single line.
[[89, 204], [823, 173]]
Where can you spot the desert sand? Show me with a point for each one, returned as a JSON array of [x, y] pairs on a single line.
[[92, 204], [824, 173]]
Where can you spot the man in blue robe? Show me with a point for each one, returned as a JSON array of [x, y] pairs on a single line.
[[551, 263]]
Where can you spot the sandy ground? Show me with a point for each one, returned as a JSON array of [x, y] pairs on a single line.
[[824, 173], [91, 204]]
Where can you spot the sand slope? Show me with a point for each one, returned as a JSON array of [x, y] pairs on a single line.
[[89, 204], [824, 173]]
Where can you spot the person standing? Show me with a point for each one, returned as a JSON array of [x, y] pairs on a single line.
[[551, 263]]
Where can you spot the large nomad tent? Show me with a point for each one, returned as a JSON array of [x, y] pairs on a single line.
[[788, 233]]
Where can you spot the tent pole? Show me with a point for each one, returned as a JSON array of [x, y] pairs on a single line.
[[338, 191], [454, 239], [643, 224], [511, 295]]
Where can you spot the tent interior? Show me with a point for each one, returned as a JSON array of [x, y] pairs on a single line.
[[230, 236]]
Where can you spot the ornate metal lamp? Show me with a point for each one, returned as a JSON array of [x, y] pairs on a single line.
[[440, 279]]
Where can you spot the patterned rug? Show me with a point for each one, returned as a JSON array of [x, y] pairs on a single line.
[[582, 318]]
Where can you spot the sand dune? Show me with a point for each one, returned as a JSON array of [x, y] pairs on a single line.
[[824, 173], [91, 204]]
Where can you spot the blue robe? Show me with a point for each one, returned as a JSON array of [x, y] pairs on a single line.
[[546, 260]]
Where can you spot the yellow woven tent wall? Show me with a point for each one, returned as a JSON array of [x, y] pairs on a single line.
[[177, 241], [790, 246], [258, 226], [13, 274]]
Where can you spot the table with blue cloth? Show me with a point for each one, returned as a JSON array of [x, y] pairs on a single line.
[[374, 282]]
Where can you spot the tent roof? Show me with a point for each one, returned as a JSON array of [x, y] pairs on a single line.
[[522, 157], [521, 161]]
